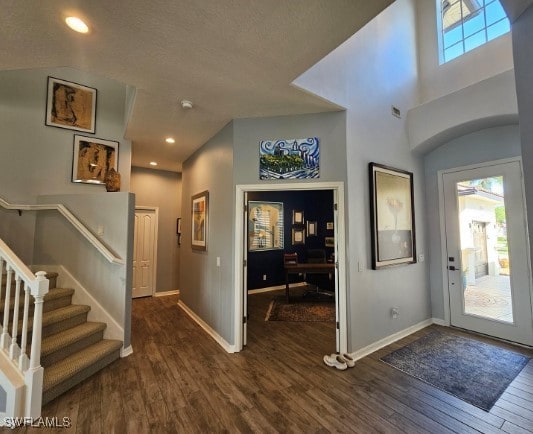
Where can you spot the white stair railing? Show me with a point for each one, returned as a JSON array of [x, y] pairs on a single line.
[[73, 220], [21, 369]]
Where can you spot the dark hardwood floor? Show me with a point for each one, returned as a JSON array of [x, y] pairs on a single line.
[[180, 380]]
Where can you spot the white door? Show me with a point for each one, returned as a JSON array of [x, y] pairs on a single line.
[[144, 251], [487, 251]]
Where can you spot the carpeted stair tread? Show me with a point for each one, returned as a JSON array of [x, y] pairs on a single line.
[[58, 315], [56, 298], [68, 368], [63, 313], [51, 276], [62, 339], [53, 294], [57, 293]]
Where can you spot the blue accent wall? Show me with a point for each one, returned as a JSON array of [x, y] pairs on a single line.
[[317, 205]]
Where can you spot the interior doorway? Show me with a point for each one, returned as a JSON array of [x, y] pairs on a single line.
[[145, 251], [486, 265], [300, 226]]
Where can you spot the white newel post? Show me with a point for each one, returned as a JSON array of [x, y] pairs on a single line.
[[34, 374]]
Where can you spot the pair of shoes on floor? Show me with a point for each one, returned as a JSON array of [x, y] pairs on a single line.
[[339, 361]]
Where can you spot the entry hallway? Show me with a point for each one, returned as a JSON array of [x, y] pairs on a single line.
[[180, 380]]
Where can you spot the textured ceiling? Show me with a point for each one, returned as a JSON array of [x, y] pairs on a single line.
[[232, 58]]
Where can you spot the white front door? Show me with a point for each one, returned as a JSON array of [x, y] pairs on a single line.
[[487, 260], [144, 250]]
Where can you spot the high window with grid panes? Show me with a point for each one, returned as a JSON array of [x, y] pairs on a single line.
[[467, 24]]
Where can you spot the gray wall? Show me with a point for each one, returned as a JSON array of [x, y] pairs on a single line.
[[205, 288], [230, 158], [162, 189], [373, 70], [58, 243], [485, 145], [3, 400], [522, 30], [330, 128], [37, 160]]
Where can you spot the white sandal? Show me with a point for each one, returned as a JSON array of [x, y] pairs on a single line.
[[335, 361], [350, 362]]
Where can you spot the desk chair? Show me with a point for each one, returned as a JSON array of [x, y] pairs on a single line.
[[316, 256], [290, 258]]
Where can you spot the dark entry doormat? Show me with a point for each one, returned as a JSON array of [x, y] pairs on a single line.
[[301, 311], [473, 371]]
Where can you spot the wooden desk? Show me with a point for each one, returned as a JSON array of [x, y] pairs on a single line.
[[324, 268]]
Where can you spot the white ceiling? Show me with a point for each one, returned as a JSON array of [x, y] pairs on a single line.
[[232, 58]]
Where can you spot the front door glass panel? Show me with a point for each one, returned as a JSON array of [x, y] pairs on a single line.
[[485, 264]]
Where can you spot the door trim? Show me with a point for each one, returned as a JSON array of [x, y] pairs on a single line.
[[340, 249], [155, 209], [443, 238]]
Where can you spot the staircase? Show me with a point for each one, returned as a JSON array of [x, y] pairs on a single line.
[[72, 348]]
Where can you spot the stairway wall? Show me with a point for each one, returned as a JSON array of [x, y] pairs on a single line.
[[36, 159], [58, 243]]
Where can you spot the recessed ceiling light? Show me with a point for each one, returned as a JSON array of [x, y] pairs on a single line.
[[77, 24], [186, 104], [170, 140], [153, 163]]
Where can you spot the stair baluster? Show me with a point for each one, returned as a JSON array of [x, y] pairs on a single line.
[[5, 339], [23, 358], [69, 355], [14, 348]]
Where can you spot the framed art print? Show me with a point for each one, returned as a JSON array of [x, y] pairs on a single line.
[[298, 236], [92, 159], [289, 158], [297, 217], [200, 220], [329, 242], [311, 228], [70, 105], [392, 216]]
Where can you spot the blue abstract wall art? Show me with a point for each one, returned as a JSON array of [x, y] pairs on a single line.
[[289, 158]]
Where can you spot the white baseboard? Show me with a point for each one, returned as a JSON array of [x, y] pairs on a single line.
[[207, 328], [440, 322], [125, 352], [82, 296], [363, 352], [275, 288], [166, 293]]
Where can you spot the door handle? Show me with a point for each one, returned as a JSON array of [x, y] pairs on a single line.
[[452, 268]]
